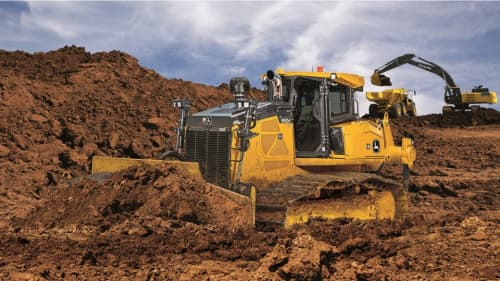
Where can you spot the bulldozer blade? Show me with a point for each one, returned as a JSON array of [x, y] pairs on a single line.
[[380, 80], [102, 164], [246, 203]]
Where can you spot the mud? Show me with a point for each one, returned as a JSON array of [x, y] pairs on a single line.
[[60, 108]]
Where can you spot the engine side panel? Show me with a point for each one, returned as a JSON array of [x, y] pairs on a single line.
[[270, 157]]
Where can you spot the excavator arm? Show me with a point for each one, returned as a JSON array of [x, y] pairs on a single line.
[[453, 94], [382, 80]]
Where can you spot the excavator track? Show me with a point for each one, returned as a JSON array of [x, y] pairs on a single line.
[[299, 199]]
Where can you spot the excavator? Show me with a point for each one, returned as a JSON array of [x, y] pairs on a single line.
[[458, 100], [301, 154]]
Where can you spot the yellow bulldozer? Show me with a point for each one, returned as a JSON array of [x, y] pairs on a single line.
[[301, 154], [396, 102]]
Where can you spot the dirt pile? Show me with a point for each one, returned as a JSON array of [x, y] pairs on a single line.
[[58, 109], [481, 116], [88, 103], [301, 258], [138, 200]]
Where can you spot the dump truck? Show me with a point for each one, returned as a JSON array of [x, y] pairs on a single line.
[[301, 154], [453, 95], [394, 101]]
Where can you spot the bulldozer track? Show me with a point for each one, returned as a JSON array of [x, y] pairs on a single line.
[[338, 189]]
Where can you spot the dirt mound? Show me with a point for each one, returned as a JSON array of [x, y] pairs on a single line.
[[301, 258], [87, 104], [132, 199], [481, 116], [60, 108]]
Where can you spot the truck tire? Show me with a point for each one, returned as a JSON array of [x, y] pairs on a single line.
[[395, 111], [412, 112], [447, 109], [404, 111], [373, 110]]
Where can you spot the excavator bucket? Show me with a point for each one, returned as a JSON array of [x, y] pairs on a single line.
[[246, 203], [378, 79], [347, 195]]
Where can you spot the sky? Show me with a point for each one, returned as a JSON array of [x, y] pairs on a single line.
[[210, 42]]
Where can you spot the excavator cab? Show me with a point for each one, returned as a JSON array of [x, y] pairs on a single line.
[[453, 95]]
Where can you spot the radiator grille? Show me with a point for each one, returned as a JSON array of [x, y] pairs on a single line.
[[211, 150]]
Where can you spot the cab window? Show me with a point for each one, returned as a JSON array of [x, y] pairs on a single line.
[[339, 100], [286, 89]]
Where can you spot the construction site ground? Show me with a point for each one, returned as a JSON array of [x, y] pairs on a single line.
[[58, 109]]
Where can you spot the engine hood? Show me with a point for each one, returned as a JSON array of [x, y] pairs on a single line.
[[223, 116]]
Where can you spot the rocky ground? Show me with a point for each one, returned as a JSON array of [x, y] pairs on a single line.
[[58, 109]]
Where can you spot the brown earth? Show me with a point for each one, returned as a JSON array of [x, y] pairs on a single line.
[[60, 108]]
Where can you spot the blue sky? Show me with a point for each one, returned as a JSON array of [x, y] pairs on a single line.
[[208, 42]]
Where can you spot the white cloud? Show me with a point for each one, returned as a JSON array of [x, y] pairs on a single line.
[[209, 41], [357, 37]]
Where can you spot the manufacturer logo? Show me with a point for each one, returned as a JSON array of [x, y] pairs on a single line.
[[206, 120], [376, 146]]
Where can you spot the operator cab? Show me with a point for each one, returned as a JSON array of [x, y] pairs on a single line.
[[307, 114], [315, 105]]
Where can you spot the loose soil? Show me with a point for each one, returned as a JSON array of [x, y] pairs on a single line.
[[58, 109]]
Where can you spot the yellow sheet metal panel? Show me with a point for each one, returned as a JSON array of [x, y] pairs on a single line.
[[367, 164], [352, 80], [369, 145], [360, 137], [279, 149], [272, 165], [270, 125], [267, 141], [375, 96], [326, 75], [387, 96], [270, 157], [471, 98]]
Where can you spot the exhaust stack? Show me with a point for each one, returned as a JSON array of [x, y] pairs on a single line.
[[239, 87]]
